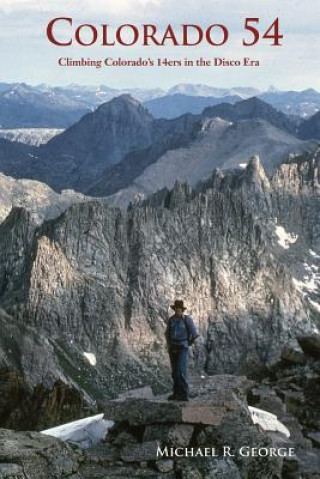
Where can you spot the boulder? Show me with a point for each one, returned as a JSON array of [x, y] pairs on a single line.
[[176, 435], [222, 468], [310, 345], [145, 451], [7, 471], [103, 453], [165, 465], [144, 411], [143, 393], [30, 455], [124, 438], [265, 398], [293, 356]]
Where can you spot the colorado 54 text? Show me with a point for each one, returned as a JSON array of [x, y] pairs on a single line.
[[62, 32]]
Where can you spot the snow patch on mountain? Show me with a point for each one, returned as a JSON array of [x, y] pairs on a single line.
[[84, 432], [285, 238], [310, 282], [30, 136], [91, 358]]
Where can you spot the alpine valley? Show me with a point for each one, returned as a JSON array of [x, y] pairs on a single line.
[[114, 203]]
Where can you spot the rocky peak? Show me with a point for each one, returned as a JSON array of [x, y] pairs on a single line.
[[16, 237], [252, 183], [299, 173], [98, 141], [19, 90], [255, 175], [254, 104], [180, 193], [252, 108], [124, 105]]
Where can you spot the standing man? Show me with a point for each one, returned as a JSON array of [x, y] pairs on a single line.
[[180, 334]]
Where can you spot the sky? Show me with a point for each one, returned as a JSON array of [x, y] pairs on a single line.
[[26, 54]]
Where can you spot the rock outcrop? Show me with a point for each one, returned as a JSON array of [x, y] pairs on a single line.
[[291, 391], [36, 387], [38, 198], [30, 455]]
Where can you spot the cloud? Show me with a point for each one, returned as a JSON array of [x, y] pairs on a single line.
[[94, 6], [14, 6], [119, 7], [297, 15]]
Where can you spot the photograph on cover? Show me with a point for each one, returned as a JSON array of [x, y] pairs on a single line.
[[159, 239]]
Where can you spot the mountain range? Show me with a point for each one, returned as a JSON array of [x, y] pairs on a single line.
[[121, 145], [298, 103], [25, 106]]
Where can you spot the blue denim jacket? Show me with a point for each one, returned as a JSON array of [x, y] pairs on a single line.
[[177, 331]]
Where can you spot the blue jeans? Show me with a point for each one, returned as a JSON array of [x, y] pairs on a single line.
[[179, 362]]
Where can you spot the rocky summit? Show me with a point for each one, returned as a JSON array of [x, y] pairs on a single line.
[[212, 435], [177, 439]]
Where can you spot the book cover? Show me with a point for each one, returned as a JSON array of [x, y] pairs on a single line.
[[159, 239]]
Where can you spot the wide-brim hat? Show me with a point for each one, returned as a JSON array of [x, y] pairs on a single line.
[[178, 304]]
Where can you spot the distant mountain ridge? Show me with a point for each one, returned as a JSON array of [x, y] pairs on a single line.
[[177, 104], [44, 106], [300, 103], [311, 127], [206, 90], [250, 109], [23, 106]]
